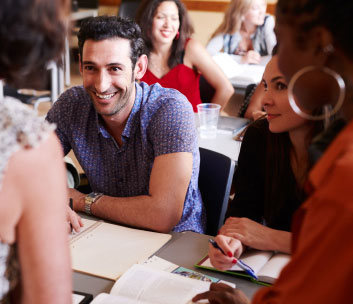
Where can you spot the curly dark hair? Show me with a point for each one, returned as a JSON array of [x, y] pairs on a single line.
[[334, 15], [108, 27], [144, 18], [32, 33]]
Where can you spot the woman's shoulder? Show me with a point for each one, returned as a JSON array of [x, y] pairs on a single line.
[[20, 124], [269, 22], [20, 128], [192, 44], [194, 52]]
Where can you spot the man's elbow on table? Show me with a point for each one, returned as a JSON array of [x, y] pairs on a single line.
[[167, 215]]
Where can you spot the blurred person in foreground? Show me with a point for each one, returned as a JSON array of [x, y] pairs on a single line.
[[34, 252], [316, 56]]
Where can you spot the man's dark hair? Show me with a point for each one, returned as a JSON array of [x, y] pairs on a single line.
[[110, 27]]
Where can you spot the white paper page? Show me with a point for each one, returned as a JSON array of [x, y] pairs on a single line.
[[271, 271], [76, 298], [104, 298], [158, 287], [109, 250], [228, 65], [86, 224], [255, 259], [158, 263], [251, 73]]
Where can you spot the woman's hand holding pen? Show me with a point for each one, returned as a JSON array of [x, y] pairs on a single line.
[[232, 248]]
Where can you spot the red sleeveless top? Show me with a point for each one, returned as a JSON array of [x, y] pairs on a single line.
[[181, 78]]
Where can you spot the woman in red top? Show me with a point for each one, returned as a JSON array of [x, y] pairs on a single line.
[[175, 60]]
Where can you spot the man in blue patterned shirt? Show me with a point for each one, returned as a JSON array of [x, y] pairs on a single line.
[[136, 143]]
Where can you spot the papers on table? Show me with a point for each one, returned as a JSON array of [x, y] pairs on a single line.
[[240, 75]]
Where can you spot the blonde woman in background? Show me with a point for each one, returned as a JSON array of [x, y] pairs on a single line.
[[246, 32]]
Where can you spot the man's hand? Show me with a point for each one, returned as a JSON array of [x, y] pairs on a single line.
[[74, 219], [78, 199], [222, 294], [230, 246]]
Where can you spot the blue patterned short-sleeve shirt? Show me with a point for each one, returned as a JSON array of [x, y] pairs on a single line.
[[161, 122]]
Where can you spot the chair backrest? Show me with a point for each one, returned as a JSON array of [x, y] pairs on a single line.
[[215, 179], [128, 8], [87, 3], [206, 90]]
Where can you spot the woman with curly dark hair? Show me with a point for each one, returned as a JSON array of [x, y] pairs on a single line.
[[34, 253]]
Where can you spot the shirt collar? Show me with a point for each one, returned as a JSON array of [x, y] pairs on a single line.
[[132, 121]]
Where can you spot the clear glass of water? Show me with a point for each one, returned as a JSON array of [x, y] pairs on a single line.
[[208, 117]]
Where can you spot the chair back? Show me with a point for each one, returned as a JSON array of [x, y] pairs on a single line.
[[215, 180], [87, 3], [206, 90], [128, 8]]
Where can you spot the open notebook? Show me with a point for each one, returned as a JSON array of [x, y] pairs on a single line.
[[267, 265], [107, 250]]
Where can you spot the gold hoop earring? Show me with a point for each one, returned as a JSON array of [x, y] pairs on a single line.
[[327, 113]]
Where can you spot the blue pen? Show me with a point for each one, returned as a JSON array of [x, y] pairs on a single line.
[[240, 263]]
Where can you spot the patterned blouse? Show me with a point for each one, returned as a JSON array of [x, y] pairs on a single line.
[[19, 129]]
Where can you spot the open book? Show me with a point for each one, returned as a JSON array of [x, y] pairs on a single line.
[[107, 250], [160, 264], [144, 285], [267, 265]]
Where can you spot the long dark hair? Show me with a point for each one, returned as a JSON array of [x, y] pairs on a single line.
[[278, 184], [144, 18], [32, 33]]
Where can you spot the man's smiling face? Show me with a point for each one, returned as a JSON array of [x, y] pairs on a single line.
[[108, 75]]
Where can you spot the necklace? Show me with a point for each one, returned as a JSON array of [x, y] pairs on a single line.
[[157, 67]]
